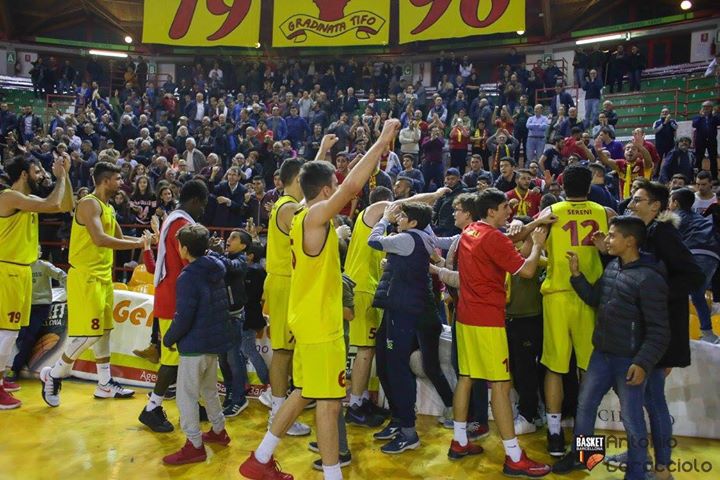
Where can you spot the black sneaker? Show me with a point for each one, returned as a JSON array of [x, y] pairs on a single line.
[[568, 463], [373, 409], [358, 416], [203, 414], [556, 444], [345, 460], [170, 393], [156, 420], [234, 409]]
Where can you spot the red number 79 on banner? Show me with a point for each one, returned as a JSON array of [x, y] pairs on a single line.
[[235, 14], [468, 12]]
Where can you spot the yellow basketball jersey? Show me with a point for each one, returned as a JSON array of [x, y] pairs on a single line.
[[362, 264], [315, 312], [84, 254], [19, 238], [577, 221], [278, 242]]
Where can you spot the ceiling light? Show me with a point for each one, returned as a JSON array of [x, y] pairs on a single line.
[[128, 39], [686, 4], [108, 53], [603, 38], [521, 32]]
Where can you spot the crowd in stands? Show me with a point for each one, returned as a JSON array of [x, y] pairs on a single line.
[[233, 126]]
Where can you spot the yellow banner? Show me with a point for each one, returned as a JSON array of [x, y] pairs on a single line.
[[443, 19], [330, 23], [202, 23]]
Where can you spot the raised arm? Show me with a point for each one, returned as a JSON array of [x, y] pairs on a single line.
[[13, 201], [324, 211]]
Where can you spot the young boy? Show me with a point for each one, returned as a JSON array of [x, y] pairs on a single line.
[[631, 335], [254, 318], [201, 331]]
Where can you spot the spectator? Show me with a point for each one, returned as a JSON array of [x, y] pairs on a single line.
[[297, 128], [443, 220], [706, 125], [617, 68], [508, 177], [610, 113], [580, 64], [704, 195], [500, 148], [459, 140], [636, 64], [195, 159], [522, 113], [599, 193], [432, 149], [678, 160], [418, 180], [537, 128], [523, 199], [230, 197], [699, 236], [561, 98], [409, 138], [551, 159], [665, 128]]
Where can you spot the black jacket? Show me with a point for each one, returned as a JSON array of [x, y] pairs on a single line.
[[202, 323], [232, 215], [443, 211], [632, 317], [684, 275], [235, 271]]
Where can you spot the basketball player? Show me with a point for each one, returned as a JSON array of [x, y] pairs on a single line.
[[569, 322], [19, 239], [277, 287], [315, 308], [193, 199], [94, 235]]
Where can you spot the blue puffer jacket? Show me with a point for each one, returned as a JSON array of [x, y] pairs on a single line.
[[698, 234], [201, 323]]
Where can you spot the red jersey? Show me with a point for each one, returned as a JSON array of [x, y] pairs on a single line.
[[164, 306], [528, 204], [571, 148], [484, 255]]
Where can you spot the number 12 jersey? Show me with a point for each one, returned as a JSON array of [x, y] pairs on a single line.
[[573, 231]]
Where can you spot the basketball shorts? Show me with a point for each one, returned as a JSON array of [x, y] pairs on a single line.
[[363, 328], [169, 356], [15, 296], [483, 352], [319, 369], [277, 298], [568, 325], [90, 305]]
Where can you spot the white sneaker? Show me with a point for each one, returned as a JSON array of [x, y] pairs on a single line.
[[522, 426], [447, 419], [709, 337], [113, 390], [298, 430], [51, 387], [266, 397]]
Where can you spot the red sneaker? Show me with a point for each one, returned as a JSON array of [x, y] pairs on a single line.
[[525, 468], [187, 454], [10, 386], [254, 470], [476, 431], [211, 437], [457, 451], [7, 401]]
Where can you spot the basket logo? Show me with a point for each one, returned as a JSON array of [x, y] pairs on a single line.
[[590, 449]]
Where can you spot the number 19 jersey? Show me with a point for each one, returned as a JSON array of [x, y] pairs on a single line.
[[573, 231]]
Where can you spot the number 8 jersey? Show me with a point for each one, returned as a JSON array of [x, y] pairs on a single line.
[[573, 231]]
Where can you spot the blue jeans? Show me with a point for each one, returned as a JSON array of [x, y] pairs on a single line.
[[592, 107], [708, 265], [660, 421], [248, 349], [608, 371], [579, 75], [535, 148]]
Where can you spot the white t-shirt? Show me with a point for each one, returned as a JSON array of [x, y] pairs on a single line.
[[701, 205]]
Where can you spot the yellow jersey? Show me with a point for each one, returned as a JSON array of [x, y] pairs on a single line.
[[573, 231], [19, 238], [87, 257], [362, 263], [315, 311], [278, 242]]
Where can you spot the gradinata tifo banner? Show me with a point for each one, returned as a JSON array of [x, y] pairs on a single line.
[[442, 19], [330, 23], [204, 23]]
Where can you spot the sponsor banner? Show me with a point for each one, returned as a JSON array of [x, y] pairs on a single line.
[[442, 19], [330, 23], [202, 23]]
